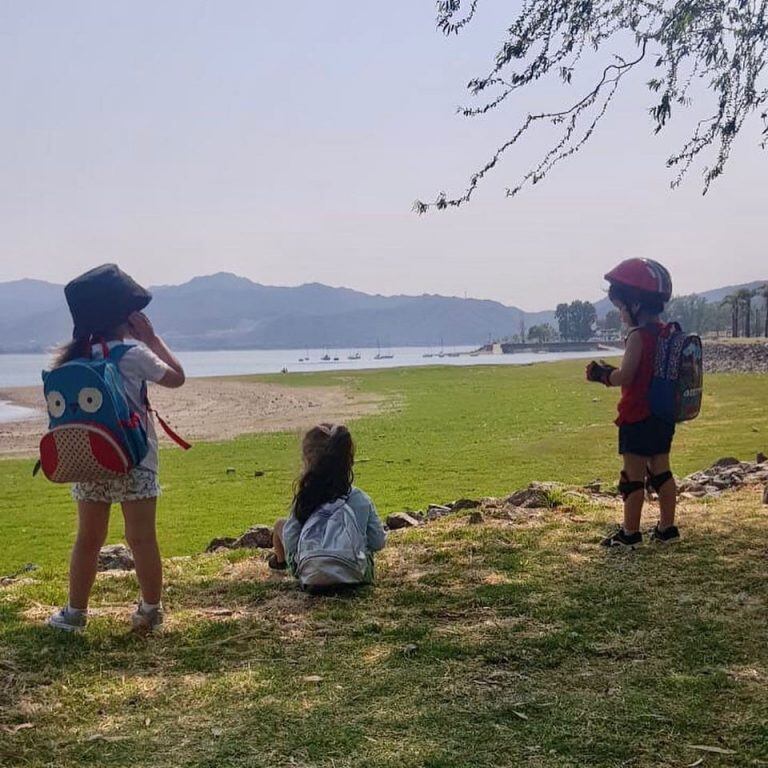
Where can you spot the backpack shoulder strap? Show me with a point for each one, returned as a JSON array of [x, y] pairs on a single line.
[[117, 352], [180, 441]]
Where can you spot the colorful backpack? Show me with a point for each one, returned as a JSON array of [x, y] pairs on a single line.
[[332, 549], [92, 432], [678, 375]]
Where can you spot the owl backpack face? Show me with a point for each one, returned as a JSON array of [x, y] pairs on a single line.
[[92, 432]]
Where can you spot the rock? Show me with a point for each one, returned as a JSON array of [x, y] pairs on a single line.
[[256, 537], [435, 511], [761, 458], [536, 485], [689, 487], [765, 495], [727, 461], [475, 518], [230, 470], [115, 557], [401, 520], [535, 496], [225, 542], [259, 473], [462, 504], [594, 487], [13, 577]]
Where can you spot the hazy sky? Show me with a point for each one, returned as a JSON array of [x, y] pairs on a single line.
[[287, 141]]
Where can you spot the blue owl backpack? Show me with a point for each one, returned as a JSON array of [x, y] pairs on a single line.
[[92, 434]]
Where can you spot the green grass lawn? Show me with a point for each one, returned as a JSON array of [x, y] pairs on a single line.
[[513, 642], [445, 433]]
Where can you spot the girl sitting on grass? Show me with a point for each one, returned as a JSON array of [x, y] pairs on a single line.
[[639, 289], [325, 490], [106, 306]]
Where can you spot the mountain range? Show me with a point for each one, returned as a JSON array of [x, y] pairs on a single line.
[[224, 311]]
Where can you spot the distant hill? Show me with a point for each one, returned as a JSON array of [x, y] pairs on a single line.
[[224, 311]]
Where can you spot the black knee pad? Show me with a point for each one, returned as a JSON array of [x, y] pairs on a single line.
[[627, 487], [656, 481]]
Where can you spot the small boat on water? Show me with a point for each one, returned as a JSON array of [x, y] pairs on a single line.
[[355, 356], [379, 356]]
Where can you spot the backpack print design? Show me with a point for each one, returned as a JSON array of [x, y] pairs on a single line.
[[678, 375], [92, 432]]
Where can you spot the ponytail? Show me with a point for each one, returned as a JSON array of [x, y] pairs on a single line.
[[329, 454], [77, 347], [80, 346]]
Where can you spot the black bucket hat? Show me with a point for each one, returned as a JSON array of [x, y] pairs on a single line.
[[102, 299]]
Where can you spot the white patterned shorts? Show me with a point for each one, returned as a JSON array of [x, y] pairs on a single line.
[[139, 483]]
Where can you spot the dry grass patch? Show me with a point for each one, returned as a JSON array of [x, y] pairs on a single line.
[[516, 641]]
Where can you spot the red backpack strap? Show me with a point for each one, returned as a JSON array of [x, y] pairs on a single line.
[[180, 441], [100, 341]]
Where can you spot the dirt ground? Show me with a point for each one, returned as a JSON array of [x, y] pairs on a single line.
[[207, 409]]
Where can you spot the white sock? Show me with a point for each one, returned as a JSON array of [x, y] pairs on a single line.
[[76, 611], [147, 607]]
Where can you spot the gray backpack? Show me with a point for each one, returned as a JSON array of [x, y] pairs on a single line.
[[332, 549]]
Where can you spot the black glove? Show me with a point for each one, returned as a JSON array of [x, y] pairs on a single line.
[[600, 372]]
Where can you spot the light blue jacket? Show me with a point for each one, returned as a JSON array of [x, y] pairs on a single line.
[[367, 519]]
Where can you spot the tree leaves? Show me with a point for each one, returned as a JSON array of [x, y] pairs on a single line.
[[722, 44]]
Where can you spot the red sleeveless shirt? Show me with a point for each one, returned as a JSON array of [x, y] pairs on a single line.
[[634, 405]]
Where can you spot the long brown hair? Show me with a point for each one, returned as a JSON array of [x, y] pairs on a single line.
[[80, 346], [329, 455], [71, 350]]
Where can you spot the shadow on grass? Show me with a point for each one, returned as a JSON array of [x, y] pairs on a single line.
[[480, 645]]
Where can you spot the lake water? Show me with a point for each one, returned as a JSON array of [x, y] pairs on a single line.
[[24, 370]]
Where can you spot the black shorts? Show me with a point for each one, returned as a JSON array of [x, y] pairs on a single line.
[[650, 437]]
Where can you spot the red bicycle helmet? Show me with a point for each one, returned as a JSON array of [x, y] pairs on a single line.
[[643, 275]]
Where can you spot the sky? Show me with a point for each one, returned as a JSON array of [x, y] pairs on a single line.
[[286, 142]]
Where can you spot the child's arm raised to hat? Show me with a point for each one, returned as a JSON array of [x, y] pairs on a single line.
[[630, 363], [141, 329]]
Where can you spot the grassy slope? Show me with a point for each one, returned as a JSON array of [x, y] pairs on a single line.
[[499, 644], [450, 432]]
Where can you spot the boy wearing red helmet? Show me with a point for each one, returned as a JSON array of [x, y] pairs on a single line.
[[639, 289]]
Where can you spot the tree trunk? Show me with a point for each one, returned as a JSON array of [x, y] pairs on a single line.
[[735, 321], [747, 318]]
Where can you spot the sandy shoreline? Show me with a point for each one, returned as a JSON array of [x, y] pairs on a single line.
[[207, 409]]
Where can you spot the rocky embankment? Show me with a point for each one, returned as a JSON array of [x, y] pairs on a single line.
[[746, 356], [726, 474]]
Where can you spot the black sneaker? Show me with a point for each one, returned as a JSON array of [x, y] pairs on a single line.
[[623, 540], [668, 536]]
